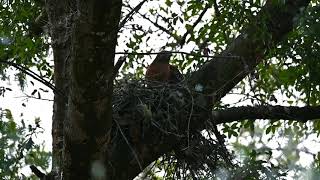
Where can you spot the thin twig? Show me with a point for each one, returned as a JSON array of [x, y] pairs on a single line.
[[190, 115], [216, 8], [183, 39], [220, 139], [117, 66], [115, 71], [131, 148], [166, 30], [213, 94], [32, 97], [217, 14], [33, 75], [131, 13], [178, 52]]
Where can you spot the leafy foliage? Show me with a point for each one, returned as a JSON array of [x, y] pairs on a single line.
[[18, 43], [289, 74], [17, 147]]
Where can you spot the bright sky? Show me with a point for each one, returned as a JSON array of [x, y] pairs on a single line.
[[34, 108]]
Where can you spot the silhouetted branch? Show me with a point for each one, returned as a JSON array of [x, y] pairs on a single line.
[[26, 96], [116, 68], [183, 39], [215, 74], [37, 172], [301, 114], [178, 52], [216, 8], [130, 14], [166, 30], [33, 75]]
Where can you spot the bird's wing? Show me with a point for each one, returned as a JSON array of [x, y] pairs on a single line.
[[175, 75]]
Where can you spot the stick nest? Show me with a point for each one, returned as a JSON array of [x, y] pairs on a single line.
[[169, 110]]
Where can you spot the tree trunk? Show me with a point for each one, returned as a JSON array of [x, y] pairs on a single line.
[[84, 36], [61, 47]]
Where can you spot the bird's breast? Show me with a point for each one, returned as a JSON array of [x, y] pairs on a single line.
[[158, 72]]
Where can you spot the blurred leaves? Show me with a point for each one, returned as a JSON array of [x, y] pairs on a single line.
[[18, 44], [18, 148]]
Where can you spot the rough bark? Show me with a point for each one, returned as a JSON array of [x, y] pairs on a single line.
[[83, 40], [87, 130], [61, 45]]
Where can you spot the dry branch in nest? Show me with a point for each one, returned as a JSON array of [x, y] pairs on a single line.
[[166, 110]]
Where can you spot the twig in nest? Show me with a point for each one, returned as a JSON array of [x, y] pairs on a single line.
[[190, 115], [131, 148], [221, 141]]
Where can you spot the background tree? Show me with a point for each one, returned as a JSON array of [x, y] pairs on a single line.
[[265, 52]]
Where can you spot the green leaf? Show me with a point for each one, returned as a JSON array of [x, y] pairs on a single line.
[[168, 3], [268, 129]]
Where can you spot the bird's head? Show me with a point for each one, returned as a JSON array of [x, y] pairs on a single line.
[[163, 57]]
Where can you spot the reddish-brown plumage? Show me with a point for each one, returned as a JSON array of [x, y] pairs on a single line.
[[158, 72], [161, 70]]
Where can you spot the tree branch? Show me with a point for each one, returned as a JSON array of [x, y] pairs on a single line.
[[302, 114], [218, 77], [34, 76], [116, 68], [213, 78], [184, 37], [179, 52], [130, 14], [37, 172], [157, 25], [26, 96], [216, 8]]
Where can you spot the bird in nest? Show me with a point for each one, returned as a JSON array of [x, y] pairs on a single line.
[[160, 70]]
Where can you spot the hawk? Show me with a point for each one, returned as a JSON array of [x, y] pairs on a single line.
[[160, 69]]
